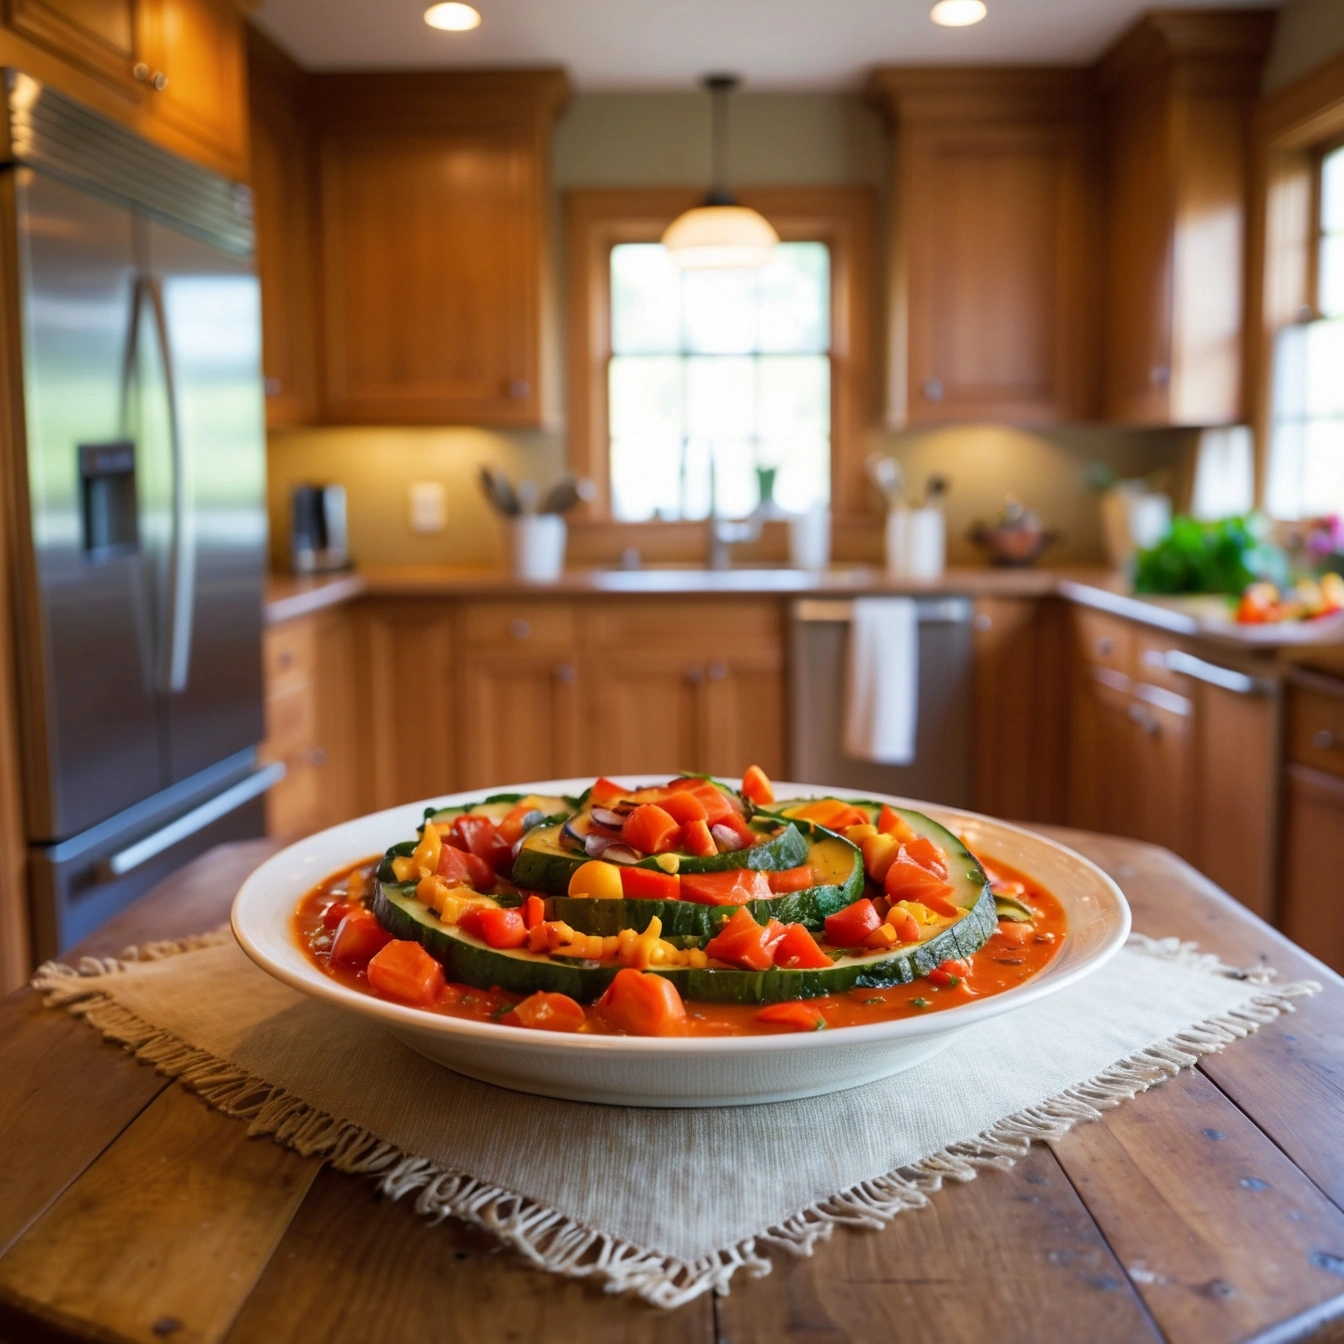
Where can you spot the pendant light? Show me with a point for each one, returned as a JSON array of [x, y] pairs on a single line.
[[720, 233]]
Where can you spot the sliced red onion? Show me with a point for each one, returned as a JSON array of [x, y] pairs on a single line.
[[621, 854], [727, 839], [606, 817]]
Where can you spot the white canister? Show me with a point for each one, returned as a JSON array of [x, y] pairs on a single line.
[[810, 538], [897, 542], [537, 547], [916, 543]]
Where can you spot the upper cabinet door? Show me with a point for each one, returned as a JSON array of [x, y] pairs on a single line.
[[194, 62], [430, 276], [433, 205], [994, 281], [99, 35], [998, 274]]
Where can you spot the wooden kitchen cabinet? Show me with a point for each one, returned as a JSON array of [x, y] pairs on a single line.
[[285, 216], [433, 194], [100, 36], [1178, 92], [311, 718], [997, 211], [518, 700]]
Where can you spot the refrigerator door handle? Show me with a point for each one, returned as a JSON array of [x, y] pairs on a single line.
[[136, 855], [181, 591]]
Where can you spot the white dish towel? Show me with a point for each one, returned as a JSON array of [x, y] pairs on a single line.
[[882, 695]]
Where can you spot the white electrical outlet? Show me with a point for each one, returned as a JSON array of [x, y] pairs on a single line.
[[427, 505]]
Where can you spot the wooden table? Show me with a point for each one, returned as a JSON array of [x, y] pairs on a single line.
[[1210, 1208]]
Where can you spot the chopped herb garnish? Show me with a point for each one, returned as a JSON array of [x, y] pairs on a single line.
[[502, 1009], [821, 1024], [919, 1003], [874, 1001]]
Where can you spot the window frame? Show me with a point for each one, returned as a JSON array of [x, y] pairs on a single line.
[[842, 217]]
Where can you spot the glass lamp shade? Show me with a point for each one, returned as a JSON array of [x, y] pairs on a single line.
[[719, 237]]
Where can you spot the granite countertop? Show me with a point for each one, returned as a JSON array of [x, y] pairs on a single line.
[[1198, 617]]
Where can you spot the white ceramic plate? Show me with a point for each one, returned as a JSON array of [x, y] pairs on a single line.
[[695, 1071]]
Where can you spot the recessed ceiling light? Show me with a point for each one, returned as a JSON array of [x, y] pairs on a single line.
[[958, 13], [453, 17]]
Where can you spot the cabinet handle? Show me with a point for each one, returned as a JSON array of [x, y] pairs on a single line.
[[317, 756], [932, 389], [1161, 375], [565, 673], [695, 675], [519, 388], [717, 671], [520, 629], [1323, 739], [1177, 660], [271, 386], [141, 71], [1145, 720], [1105, 646]]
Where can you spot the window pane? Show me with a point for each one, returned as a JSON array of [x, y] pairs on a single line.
[[720, 397], [1323, 477], [645, 478], [795, 395], [804, 475], [1283, 497], [645, 300], [645, 396], [1290, 374], [721, 309], [795, 294], [1325, 368], [734, 478], [1331, 285], [1332, 192]]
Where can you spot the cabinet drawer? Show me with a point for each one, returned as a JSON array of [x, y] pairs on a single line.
[[293, 806], [1105, 640], [1316, 729], [289, 651], [291, 715], [689, 630], [1150, 663], [528, 627]]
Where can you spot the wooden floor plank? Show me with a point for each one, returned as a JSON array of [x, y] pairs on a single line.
[[1219, 1231], [67, 1094], [355, 1269], [1011, 1256], [166, 1234]]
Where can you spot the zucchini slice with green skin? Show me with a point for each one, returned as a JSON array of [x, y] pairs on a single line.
[[544, 864], [830, 856], [467, 960], [498, 806]]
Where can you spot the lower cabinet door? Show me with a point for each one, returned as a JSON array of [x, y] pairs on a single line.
[[519, 721], [643, 715], [1311, 900], [741, 720]]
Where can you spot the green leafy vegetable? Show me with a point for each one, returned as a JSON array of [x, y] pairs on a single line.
[[1220, 557]]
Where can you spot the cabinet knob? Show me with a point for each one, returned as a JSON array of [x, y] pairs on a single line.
[[141, 71], [717, 671], [695, 675], [983, 621], [565, 673], [1105, 646], [932, 389], [317, 756], [271, 386], [520, 629], [286, 658], [1323, 739], [519, 388], [159, 81], [1161, 375]]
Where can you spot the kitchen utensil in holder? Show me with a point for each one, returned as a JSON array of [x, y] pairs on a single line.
[[916, 543], [536, 546]]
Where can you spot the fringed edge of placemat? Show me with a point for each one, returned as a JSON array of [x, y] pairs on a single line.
[[561, 1245]]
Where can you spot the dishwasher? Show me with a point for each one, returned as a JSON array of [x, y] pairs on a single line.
[[941, 770]]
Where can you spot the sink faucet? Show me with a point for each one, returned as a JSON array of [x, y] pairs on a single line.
[[726, 532]]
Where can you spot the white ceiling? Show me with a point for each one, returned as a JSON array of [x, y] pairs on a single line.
[[668, 44]]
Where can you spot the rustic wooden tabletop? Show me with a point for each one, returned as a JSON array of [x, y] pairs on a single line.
[[1210, 1208]]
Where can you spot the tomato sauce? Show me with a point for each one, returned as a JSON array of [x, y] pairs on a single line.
[[1012, 956]]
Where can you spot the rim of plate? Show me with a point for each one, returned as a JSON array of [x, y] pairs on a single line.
[[308, 979]]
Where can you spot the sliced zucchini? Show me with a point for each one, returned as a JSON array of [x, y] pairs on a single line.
[[467, 960], [498, 806], [831, 858]]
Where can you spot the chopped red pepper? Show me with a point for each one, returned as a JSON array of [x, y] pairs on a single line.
[[406, 972], [461, 868], [800, 1016], [649, 884], [650, 830], [606, 792], [480, 836], [743, 942], [503, 928], [681, 805], [696, 839], [756, 786], [852, 925], [358, 937], [544, 1011], [643, 1004], [798, 950], [732, 886], [791, 879], [534, 911]]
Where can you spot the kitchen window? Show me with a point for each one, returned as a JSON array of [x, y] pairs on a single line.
[[719, 381], [684, 385], [1306, 460]]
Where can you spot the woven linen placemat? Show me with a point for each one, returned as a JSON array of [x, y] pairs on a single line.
[[568, 1184]]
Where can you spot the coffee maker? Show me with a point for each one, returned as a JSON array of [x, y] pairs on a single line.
[[318, 542]]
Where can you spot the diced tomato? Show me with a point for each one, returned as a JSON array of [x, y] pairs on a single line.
[[682, 807], [738, 825], [910, 881], [511, 824], [905, 924], [756, 786], [798, 950], [797, 1015], [503, 928], [716, 803], [460, 868], [890, 822], [850, 926], [534, 911], [404, 971], [643, 1004], [471, 923], [650, 830], [791, 879], [650, 884], [943, 978], [732, 886], [743, 942], [337, 911], [480, 836], [606, 792], [358, 937], [543, 1011], [696, 839], [927, 855]]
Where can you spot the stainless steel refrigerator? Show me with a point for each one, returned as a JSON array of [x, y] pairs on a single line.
[[141, 569]]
